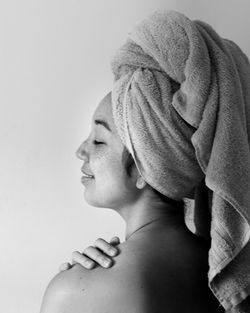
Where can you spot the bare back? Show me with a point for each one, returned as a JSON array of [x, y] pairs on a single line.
[[173, 269], [155, 272]]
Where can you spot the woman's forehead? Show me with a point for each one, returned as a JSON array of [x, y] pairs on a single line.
[[104, 112]]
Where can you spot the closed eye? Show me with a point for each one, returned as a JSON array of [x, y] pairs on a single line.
[[98, 142]]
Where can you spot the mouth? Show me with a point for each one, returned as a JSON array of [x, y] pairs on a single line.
[[86, 179], [86, 176]]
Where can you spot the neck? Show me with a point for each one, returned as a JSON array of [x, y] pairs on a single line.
[[145, 214]]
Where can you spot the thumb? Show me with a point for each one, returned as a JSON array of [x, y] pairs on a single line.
[[115, 241]]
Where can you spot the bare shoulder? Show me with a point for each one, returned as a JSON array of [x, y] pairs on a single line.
[[119, 288], [145, 277]]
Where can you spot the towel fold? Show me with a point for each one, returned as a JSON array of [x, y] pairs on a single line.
[[181, 105]]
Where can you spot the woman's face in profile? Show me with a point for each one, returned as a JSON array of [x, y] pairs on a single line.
[[101, 153]]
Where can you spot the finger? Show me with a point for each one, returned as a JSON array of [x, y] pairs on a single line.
[[64, 266], [77, 257], [115, 241], [97, 255], [106, 247]]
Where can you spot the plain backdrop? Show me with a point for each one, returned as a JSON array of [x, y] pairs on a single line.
[[54, 69]]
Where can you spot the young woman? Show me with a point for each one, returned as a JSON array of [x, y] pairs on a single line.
[[161, 267], [177, 119]]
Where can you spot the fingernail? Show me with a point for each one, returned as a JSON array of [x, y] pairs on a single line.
[[112, 252], [106, 263], [88, 263]]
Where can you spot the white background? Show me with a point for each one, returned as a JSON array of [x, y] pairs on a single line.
[[54, 69]]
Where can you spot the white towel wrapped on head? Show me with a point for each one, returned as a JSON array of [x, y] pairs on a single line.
[[181, 105]]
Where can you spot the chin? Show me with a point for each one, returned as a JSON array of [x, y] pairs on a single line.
[[96, 200], [90, 199]]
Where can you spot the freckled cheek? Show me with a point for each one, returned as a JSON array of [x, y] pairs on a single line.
[[106, 166]]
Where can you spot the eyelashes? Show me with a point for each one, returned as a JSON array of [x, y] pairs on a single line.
[[98, 142]]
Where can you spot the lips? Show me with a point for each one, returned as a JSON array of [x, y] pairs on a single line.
[[86, 174]]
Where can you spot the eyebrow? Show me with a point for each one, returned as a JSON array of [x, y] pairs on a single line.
[[103, 123]]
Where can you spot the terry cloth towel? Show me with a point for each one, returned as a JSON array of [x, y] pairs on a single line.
[[181, 105]]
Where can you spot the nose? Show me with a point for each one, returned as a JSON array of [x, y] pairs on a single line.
[[81, 152]]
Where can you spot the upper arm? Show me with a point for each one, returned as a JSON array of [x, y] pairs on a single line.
[[79, 290], [52, 300], [64, 291]]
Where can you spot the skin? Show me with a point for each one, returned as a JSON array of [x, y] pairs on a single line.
[[161, 267]]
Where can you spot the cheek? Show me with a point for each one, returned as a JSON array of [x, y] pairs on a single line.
[[109, 169], [111, 186]]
